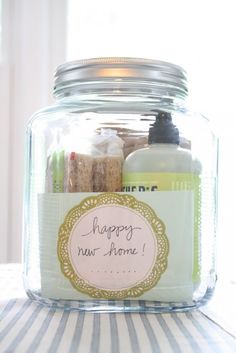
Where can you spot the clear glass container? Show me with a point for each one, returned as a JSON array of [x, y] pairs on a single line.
[[120, 191]]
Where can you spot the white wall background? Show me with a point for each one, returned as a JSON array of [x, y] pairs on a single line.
[[34, 43], [39, 34]]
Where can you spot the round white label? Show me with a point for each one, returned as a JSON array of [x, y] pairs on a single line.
[[112, 246]]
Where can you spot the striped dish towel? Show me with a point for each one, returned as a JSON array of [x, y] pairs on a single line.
[[27, 327]]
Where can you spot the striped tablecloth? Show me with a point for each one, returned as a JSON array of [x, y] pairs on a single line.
[[26, 327]]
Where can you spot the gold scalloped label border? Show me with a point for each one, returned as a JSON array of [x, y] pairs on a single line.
[[106, 199]]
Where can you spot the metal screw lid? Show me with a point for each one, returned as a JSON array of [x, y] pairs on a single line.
[[121, 69]]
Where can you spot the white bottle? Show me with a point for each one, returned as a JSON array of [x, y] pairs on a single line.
[[163, 155], [165, 166]]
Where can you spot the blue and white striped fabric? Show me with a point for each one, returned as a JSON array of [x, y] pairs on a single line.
[[27, 327]]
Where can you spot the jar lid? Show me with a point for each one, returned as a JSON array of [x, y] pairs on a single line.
[[121, 69]]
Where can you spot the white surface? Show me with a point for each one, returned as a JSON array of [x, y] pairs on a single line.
[[222, 307]]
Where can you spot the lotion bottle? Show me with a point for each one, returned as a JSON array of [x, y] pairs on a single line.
[[165, 166], [163, 155]]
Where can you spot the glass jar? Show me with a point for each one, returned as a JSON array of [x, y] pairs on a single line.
[[120, 191]]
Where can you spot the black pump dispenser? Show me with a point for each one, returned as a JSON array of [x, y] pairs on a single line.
[[163, 130]]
